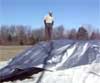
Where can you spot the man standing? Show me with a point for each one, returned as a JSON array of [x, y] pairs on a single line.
[[49, 22]]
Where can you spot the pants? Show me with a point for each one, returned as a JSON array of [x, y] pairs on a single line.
[[48, 31]]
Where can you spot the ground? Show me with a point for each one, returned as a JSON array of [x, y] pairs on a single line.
[[7, 52]]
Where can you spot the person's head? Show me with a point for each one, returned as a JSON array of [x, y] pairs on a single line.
[[50, 13]]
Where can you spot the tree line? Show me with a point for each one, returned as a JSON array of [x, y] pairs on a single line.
[[25, 35]]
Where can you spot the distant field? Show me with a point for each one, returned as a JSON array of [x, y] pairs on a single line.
[[7, 52]]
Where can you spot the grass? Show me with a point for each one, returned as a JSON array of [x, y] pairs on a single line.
[[8, 52]]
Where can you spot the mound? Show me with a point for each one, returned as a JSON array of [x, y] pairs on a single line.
[[52, 55]]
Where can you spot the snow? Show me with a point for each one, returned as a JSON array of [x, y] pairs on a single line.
[[4, 63], [65, 62], [82, 74], [65, 57]]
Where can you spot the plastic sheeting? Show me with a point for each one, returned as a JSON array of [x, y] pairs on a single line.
[[55, 55]]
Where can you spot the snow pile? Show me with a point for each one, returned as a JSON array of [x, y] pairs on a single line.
[[81, 74], [3, 64], [63, 60]]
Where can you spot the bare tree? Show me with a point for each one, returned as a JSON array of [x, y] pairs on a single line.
[[72, 34], [82, 34], [38, 34], [58, 32]]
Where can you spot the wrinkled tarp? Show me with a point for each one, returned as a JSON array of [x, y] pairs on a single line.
[[54, 55]]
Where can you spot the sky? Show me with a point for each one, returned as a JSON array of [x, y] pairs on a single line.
[[69, 13]]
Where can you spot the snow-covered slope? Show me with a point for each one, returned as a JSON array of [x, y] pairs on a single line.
[[82, 74], [55, 55]]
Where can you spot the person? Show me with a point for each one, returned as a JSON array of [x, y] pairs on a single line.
[[49, 22]]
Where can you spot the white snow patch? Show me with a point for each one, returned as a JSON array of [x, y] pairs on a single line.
[[81, 74], [66, 56]]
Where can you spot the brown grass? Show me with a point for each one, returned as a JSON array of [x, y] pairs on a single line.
[[8, 52]]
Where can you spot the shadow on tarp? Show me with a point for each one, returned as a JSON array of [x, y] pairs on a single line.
[[45, 60], [20, 74]]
